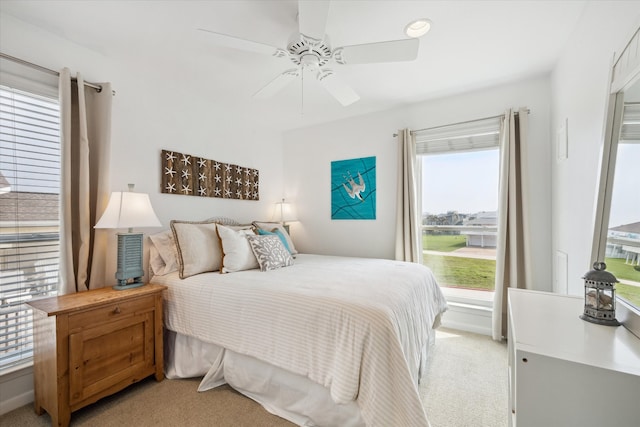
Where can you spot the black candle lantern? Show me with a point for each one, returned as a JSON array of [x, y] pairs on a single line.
[[600, 296]]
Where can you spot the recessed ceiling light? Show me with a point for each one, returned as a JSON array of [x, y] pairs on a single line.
[[417, 28]]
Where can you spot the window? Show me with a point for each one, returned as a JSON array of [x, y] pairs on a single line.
[[29, 214], [460, 168], [616, 238]]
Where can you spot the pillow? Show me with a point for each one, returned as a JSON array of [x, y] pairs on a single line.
[[165, 245], [273, 226], [155, 261], [198, 247], [237, 253], [275, 232], [270, 252]]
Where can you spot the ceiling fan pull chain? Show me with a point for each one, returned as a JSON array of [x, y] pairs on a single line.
[[302, 92]]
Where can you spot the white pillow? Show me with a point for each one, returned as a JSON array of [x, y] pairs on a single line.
[[271, 226], [165, 246], [270, 252], [198, 247], [237, 252]]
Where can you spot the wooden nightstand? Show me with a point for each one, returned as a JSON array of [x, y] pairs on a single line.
[[91, 344]]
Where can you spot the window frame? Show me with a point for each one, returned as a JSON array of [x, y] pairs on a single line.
[[625, 73]]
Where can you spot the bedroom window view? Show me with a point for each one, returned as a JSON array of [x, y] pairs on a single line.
[[29, 240], [459, 217], [622, 254]]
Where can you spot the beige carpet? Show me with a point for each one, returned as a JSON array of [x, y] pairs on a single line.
[[466, 385]]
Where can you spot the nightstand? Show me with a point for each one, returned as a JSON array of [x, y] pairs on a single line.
[[91, 344]]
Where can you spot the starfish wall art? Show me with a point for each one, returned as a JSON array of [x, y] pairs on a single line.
[[195, 176]]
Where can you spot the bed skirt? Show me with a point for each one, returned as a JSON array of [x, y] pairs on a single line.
[[287, 395]]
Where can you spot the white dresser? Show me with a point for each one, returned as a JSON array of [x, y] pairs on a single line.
[[564, 371]]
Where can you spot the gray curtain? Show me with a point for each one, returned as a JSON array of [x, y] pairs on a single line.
[[408, 230], [513, 268], [85, 129]]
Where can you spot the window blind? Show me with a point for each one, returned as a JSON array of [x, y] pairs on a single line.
[[29, 214], [630, 131], [474, 135]]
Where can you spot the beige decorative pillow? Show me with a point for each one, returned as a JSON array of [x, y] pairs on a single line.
[[270, 252], [237, 252], [165, 246], [198, 247], [273, 226]]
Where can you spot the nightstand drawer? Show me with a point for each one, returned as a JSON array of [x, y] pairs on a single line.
[[110, 312]]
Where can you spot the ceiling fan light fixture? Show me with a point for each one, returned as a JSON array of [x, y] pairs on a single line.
[[418, 28]]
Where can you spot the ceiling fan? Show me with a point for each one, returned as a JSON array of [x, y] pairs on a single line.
[[310, 51]]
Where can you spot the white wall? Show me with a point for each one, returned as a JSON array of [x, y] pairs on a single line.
[[580, 84], [153, 111], [308, 154]]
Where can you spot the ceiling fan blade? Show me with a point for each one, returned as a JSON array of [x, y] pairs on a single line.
[[277, 84], [312, 17], [389, 51], [241, 44], [337, 87]]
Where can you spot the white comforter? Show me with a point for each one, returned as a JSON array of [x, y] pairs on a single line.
[[356, 326]]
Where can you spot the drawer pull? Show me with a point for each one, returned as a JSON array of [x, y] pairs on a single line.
[[116, 310]]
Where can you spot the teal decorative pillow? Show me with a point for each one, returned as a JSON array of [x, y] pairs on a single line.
[[270, 252], [275, 232], [273, 226]]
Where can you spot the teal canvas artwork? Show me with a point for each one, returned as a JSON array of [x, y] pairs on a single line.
[[353, 188]]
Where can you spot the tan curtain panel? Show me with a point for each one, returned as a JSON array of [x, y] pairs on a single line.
[[408, 229], [513, 254], [85, 131]]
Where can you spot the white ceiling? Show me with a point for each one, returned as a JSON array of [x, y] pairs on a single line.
[[472, 44]]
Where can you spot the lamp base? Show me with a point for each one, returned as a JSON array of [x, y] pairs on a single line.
[[132, 285]]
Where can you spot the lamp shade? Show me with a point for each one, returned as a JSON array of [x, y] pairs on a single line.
[[128, 210], [284, 212]]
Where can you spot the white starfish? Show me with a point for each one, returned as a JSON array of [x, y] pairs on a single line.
[[185, 173], [247, 183], [170, 187], [202, 162], [217, 191], [216, 165], [169, 171], [218, 178], [238, 181], [202, 176], [202, 191], [227, 193], [186, 159], [238, 169], [228, 179], [239, 194], [227, 167], [170, 156], [186, 189]]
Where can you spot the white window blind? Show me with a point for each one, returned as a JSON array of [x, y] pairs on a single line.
[[474, 135], [630, 132], [29, 214]]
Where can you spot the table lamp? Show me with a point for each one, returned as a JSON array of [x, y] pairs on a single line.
[[284, 213], [128, 210]]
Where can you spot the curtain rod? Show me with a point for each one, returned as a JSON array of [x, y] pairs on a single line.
[[459, 123], [48, 70]]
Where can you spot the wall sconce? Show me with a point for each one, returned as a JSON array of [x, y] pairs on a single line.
[[284, 213], [128, 210]]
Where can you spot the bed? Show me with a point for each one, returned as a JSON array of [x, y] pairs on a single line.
[[323, 340]]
